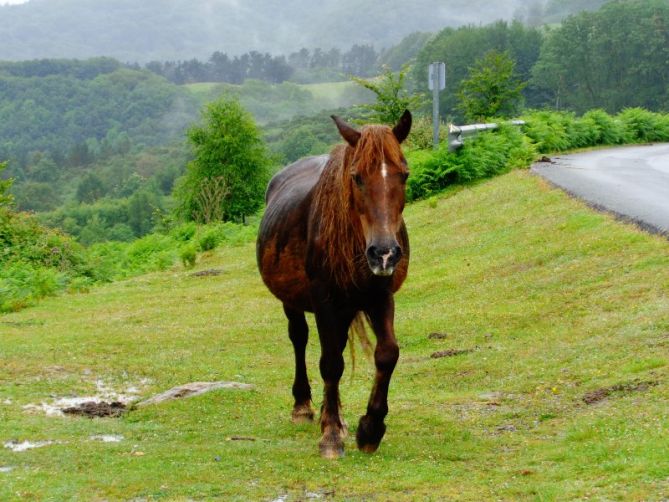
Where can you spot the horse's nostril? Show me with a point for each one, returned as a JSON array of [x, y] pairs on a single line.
[[389, 254]]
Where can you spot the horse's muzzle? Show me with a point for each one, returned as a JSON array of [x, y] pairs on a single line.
[[383, 259]]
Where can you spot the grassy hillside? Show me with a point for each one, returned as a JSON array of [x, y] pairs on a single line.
[[275, 102], [554, 302]]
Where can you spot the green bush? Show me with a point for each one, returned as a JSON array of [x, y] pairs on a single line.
[[184, 232], [422, 133], [487, 154], [208, 240], [188, 256], [548, 130], [609, 130], [644, 126], [22, 284]]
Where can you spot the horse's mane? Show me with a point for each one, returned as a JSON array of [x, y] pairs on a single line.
[[340, 233]]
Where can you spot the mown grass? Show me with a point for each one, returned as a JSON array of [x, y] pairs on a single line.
[[554, 299]]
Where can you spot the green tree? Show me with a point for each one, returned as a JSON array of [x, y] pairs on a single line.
[[90, 189], [392, 97], [6, 198], [612, 59], [141, 207], [301, 142], [228, 148], [492, 89], [36, 196], [405, 51], [460, 48]]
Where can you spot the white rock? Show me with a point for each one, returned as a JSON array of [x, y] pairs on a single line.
[[193, 389]]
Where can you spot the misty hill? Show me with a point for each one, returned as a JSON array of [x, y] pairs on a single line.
[[182, 29]]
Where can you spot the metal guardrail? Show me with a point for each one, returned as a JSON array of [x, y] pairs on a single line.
[[457, 134]]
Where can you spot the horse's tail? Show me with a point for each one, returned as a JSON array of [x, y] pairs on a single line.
[[358, 331]]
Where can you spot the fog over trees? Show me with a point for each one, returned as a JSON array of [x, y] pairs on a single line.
[[183, 29]]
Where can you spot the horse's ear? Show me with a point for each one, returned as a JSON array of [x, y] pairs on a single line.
[[347, 132], [401, 130]]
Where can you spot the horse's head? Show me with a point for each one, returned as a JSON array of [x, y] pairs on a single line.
[[377, 175]]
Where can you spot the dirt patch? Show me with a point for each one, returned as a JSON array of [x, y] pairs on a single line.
[[93, 409], [438, 336], [450, 353], [105, 395], [598, 395], [22, 324], [212, 272], [240, 438]]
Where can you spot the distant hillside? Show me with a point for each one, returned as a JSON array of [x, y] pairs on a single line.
[[182, 29]]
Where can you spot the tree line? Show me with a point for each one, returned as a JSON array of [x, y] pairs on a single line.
[[359, 60], [612, 58]]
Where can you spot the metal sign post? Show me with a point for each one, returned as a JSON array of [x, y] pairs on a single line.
[[436, 82]]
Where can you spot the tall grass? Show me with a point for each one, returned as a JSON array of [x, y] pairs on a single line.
[[484, 156], [36, 261]]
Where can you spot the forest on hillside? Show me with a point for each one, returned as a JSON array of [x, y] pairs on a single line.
[[96, 145]]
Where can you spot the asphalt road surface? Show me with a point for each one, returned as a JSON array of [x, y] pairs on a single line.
[[632, 182]]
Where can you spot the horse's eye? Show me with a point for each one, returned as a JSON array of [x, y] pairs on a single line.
[[405, 176], [358, 179]]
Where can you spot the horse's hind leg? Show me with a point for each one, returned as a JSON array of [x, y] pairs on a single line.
[[298, 331]]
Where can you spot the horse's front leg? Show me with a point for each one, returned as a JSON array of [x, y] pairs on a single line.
[[333, 324], [371, 427]]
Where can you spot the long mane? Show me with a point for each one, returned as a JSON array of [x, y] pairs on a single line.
[[339, 230]]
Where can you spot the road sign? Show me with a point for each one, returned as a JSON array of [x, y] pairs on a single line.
[[437, 76], [436, 82]]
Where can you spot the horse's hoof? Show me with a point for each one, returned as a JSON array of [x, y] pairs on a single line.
[[369, 434], [368, 448], [302, 415], [331, 451]]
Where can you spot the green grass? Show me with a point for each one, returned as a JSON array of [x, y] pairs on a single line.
[[331, 95], [323, 96], [556, 300]]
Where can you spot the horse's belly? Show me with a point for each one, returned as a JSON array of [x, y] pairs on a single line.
[[282, 270]]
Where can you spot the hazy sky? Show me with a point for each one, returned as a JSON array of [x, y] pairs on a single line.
[[7, 2]]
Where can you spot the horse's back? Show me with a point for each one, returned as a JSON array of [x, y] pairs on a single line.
[[281, 246], [295, 180]]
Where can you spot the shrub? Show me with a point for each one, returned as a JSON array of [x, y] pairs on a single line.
[[208, 240], [421, 135], [609, 131], [188, 256], [21, 284], [548, 130], [644, 126], [485, 155], [184, 232]]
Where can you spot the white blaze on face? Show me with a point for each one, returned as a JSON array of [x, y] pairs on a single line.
[[384, 170]]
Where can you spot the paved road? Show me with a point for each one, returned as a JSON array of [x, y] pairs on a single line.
[[630, 181]]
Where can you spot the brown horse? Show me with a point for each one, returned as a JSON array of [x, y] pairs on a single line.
[[333, 242]]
